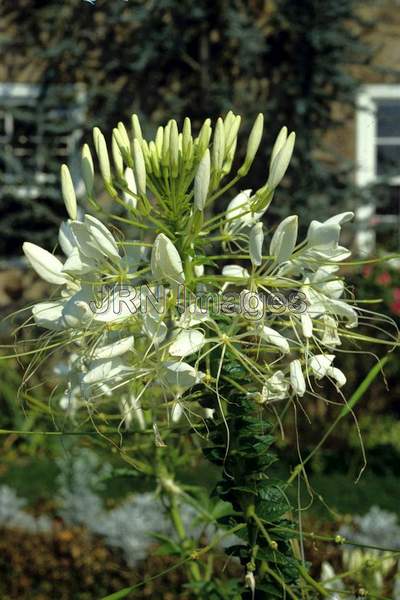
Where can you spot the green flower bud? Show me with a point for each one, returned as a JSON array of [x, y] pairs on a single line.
[[281, 162], [116, 153], [174, 149], [87, 169], [202, 181], [252, 145], [187, 140], [68, 193], [102, 154], [137, 130], [204, 137], [231, 137], [139, 167], [165, 145], [155, 163], [218, 148], [159, 141], [279, 143], [123, 139]]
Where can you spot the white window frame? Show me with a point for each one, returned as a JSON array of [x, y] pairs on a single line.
[[366, 167], [11, 94]]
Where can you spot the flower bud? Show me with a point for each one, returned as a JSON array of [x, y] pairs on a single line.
[[279, 143], [116, 152], [283, 241], [123, 139], [139, 167], [68, 193], [102, 154], [256, 239], [202, 181], [165, 261], [159, 141], [137, 130], [252, 145], [297, 380], [204, 137], [187, 140], [131, 184], [87, 169], [275, 338], [154, 160], [231, 136], [165, 145], [218, 147], [281, 162], [174, 149], [46, 265]]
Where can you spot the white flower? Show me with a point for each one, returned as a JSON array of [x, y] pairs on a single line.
[[117, 348], [105, 370], [120, 304], [180, 375], [320, 363], [337, 375], [155, 329], [239, 213], [46, 265], [275, 338], [330, 335], [176, 412], [102, 237], [66, 238], [235, 272], [306, 325], [49, 315], [283, 241], [251, 305], [192, 315], [280, 162], [165, 261], [276, 387], [297, 380], [187, 342], [256, 238]]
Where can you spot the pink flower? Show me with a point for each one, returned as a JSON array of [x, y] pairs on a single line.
[[395, 307], [384, 278], [396, 294], [367, 271]]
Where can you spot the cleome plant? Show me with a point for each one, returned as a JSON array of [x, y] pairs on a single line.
[[180, 315]]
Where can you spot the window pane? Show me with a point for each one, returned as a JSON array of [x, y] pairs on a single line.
[[388, 160], [388, 117]]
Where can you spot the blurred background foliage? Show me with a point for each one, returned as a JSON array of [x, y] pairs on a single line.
[[301, 64], [293, 61]]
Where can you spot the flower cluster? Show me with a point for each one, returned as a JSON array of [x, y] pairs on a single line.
[[169, 235]]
